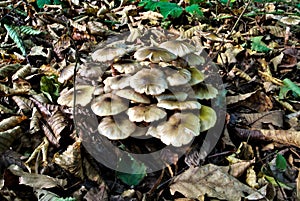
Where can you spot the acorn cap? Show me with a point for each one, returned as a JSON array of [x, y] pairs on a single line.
[[205, 91], [179, 130], [176, 105], [108, 104], [208, 118], [154, 54], [177, 47], [116, 128], [149, 81], [84, 95], [145, 113], [132, 95], [108, 54]]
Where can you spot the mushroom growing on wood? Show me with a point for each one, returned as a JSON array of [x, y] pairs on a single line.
[[154, 54], [83, 96], [116, 128], [108, 104], [145, 113], [179, 130], [149, 81]]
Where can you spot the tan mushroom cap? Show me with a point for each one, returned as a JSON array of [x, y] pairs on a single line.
[[208, 118], [116, 82], [108, 104], [179, 130], [154, 54], [116, 128], [84, 95], [176, 105], [108, 54], [290, 20], [130, 94], [177, 77], [176, 96], [131, 67], [145, 113], [149, 81], [205, 91], [177, 47], [196, 76], [193, 59]]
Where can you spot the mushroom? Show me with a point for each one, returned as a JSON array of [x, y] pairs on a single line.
[[176, 96], [154, 54], [177, 77], [83, 95], [108, 54], [130, 94], [145, 113], [288, 21], [208, 118], [205, 91], [116, 82], [91, 72], [149, 81], [108, 104], [129, 67], [196, 76], [177, 47], [193, 59], [179, 130], [176, 105], [116, 128]]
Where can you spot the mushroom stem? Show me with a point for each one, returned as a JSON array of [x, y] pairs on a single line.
[[287, 35], [114, 72]]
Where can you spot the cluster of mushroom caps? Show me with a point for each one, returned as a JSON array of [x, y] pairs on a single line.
[[157, 93]]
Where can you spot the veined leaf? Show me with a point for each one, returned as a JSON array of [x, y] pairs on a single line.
[[194, 10], [281, 163], [165, 8], [29, 30], [292, 86], [259, 45], [50, 87], [13, 33]]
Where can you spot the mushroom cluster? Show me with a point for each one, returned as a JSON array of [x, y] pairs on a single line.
[[155, 90]]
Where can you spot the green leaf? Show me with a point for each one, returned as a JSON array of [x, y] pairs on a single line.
[[50, 86], [292, 86], [29, 30], [170, 9], [283, 92], [281, 163], [41, 3], [258, 45], [196, 1], [194, 10], [276, 182], [138, 169], [14, 35]]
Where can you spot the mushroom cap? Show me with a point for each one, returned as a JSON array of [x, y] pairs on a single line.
[[177, 47], [84, 95], [116, 82], [176, 105], [130, 94], [177, 77], [127, 68], [154, 54], [145, 113], [208, 117], [175, 96], [290, 20], [108, 104], [196, 76], [108, 54], [91, 72], [193, 59], [179, 130], [149, 81], [205, 91], [116, 128]]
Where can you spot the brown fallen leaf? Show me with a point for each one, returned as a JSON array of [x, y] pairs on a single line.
[[210, 180]]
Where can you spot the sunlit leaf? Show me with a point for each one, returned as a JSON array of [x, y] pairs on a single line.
[[258, 45], [50, 87], [194, 10]]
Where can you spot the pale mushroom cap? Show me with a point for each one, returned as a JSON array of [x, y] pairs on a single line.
[[196, 76], [154, 54], [108, 104], [174, 105], [145, 113], [193, 59], [107, 54], [149, 81], [208, 117], [290, 20], [205, 91], [179, 130], [176, 96], [84, 95], [178, 77], [116, 129], [116, 82], [177, 47], [128, 67], [130, 94]]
